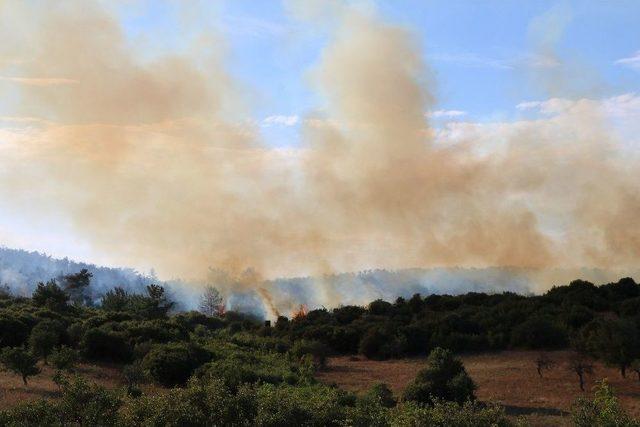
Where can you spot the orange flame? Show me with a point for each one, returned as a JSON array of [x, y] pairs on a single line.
[[301, 313]]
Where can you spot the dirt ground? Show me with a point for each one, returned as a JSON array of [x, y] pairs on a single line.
[[508, 378]]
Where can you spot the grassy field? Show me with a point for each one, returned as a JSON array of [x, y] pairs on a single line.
[[508, 378]]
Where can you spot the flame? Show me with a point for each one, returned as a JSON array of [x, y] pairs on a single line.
[[301, 313]]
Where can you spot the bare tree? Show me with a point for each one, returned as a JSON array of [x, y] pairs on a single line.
[[581, 367], [211, 302], [543, 363], [635, 367]]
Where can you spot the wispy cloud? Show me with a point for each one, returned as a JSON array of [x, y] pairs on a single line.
[[39, 81], [633, 61], [549, 106], [626, 105], [521, 60], [438, 114], [280, 120]]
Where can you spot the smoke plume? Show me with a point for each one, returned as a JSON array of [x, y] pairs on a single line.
[[150, 159]]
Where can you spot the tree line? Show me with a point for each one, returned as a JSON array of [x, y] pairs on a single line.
[[242, 371]]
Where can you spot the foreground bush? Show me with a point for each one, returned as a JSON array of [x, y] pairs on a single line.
[[449, 414], [603, 410], [444, 378], [210, 403]]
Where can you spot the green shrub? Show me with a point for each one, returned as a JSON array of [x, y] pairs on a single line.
[[317, 350], [443, 378], [381, 344], [382, 394], [64, 358], [172, 364], [86, 404], [13, 331], [286, 405], [44, 337], [448, 414], [37, 413], [98, 344], [603, 410]]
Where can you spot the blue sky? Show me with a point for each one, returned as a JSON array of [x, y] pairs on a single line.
[[485, 56]]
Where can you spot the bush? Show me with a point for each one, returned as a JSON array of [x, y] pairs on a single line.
[[85, 404], [19, 361], [381, 344], [98, 344], [443, 378], [64, 358], [13, 332], [317, 350], [134, 375], [285, 405], [173, 364], [449, 414], [44, 337], [381, 394], [603, 410]]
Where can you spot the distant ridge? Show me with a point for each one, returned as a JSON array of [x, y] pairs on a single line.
[[22, 270]]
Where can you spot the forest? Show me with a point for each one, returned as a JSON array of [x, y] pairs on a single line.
[[219, 367]]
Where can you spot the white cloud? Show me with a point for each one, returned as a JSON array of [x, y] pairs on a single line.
[[445, 114], [39, 81], [519, 60], [550, 106], [280, 120], [632, 61], [621, 106]]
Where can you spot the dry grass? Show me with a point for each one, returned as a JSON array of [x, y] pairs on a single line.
[[13, 391], [508, 378]]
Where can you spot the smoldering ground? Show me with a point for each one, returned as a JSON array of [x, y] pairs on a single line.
[[150, 158]]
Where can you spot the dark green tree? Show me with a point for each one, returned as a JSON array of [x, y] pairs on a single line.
[[19, 361], [44, 337], [50, 295], [158, 305], [616, 341], [116, 299], [77, 287]]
